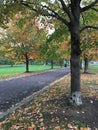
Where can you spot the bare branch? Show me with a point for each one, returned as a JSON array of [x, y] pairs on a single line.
[[94, 9], [65, 8], [89, 6], [27, 5], [86, 27]]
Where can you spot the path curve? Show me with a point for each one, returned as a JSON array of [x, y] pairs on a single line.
[[14, 90]]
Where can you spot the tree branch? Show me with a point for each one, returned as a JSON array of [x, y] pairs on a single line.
[[86, 27], [43, 9], [94, 9], [66, 10], [27, 5], [89, 6], [83, 19], [53, 14]]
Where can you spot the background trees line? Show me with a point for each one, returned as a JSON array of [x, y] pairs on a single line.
[[19, 46], [77, 16]]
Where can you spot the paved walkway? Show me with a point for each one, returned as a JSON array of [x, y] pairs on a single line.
[[14, 90]]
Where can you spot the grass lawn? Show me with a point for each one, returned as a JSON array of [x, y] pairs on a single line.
[[93, 68], [6, 70]]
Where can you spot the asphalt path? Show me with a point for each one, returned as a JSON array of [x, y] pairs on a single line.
[[14, 90]]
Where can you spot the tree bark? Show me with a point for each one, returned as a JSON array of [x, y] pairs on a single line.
[[81, 64], [51, 64], [74, 28], [85, 65], [75, 98], [27, 62]]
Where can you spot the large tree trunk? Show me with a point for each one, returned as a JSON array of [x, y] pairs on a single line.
[[27, 62], [75, 73], [74, 28], [85, 65], [75, 98]]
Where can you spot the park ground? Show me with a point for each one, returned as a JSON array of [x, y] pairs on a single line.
[[16, 70], [51, 111]]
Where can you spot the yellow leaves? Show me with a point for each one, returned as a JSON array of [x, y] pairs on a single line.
[[88, 77], [89, 85], [57, 128], [72, 126], [34, 55], [29, 128], [32, 127], [89, 44], [2, 48], [85, 128], [53, 120], [36, 125]]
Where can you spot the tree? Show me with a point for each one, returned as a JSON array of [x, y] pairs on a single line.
[[89, 47], [48, 52], [62, 39], [88, 38], [56, 47], [69, 12], [22, 38]]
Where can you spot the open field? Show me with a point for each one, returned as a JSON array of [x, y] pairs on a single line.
[[7, 71], [93, 68]]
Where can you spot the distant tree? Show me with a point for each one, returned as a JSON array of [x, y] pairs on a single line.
[[88, 37], [22, 38], [89, 47], [49, 52], [56, 47]]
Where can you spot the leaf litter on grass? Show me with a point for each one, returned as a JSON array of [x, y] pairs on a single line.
[[50, 111]]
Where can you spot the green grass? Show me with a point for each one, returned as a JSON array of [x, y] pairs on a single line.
[[93, 68], [7, 71]]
